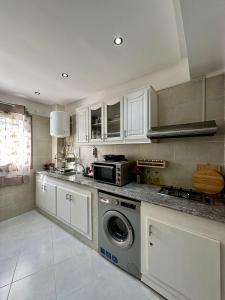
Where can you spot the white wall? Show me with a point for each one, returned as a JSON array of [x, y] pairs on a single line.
[[159, 80], [34, 108]]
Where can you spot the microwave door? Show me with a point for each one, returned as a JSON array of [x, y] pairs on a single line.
[[105, 173]]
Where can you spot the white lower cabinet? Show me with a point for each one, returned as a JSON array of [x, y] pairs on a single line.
[[80, 212], [178, 262], [74, 207], [39, 194], [46, 196], [122, 120], [67, 202], [63, 204]]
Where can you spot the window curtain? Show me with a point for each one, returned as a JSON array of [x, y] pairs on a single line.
[[15, 148]]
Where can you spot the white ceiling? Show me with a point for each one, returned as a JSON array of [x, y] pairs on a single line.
[[40, 39], [204, 27]]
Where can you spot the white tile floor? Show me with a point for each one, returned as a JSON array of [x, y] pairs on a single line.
[[39, 260]]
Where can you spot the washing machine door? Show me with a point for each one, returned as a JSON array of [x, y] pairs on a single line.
[[118, 229]]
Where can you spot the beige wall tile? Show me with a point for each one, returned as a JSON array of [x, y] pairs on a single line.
[[180, 104], [215, 87]]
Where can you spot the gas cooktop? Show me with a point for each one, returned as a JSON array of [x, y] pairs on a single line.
[[184, 193]]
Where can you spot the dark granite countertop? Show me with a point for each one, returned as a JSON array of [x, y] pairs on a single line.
[[149, 193]]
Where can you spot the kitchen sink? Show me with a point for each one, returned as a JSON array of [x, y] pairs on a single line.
[[64, 173], [68, 173]]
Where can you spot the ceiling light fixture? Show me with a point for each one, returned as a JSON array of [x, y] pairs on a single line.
[[37, 93], [65, 75], [118, 41]]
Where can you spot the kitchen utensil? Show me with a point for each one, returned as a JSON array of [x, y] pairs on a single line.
[[208, 179], [151, 163]]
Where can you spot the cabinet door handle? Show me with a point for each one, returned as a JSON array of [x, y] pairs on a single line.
[[150, 230], [67, 196], [125, 133], [70, 197], [86, 138], [45, 188]]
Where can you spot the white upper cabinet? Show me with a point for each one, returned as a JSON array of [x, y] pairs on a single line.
[[140, 112], [113, 122], [96, 123], [119, 121], [82, 125]]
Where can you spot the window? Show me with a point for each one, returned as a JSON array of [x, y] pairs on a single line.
[[15, 146]]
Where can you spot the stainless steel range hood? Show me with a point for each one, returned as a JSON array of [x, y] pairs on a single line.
[[206, 128]]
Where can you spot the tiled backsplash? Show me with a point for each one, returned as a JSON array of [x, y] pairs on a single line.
[[180, 104]]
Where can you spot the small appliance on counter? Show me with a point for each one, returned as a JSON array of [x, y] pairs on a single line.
[[112, 157], [116, 170]]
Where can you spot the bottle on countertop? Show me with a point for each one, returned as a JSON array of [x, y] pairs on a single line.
[[155, 179]]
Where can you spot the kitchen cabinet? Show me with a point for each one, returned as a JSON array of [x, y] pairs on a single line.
[[70, 204], [113, 121], [140, 113], [178, 261], [96, 123], [74, 208], [63, 204], [50, 198], [40, 193], [46, 196], [121, 120], [80, 211], [82, 125]]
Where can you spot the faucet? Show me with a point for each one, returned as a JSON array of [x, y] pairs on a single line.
[[75, 167]]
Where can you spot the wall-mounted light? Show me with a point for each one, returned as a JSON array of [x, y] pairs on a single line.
[[37, 93], [65, 75], [118, 41]]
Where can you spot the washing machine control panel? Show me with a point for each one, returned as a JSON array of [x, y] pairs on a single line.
[[108, 255], [109, 201]]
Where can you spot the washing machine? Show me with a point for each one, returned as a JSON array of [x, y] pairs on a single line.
[[119, 232]]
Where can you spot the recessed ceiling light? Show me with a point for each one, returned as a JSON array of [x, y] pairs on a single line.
[[118, 41], [37, 93], [65, 75]]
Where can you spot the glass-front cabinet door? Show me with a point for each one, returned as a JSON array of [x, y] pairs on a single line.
[[114, 120], [96, 123]]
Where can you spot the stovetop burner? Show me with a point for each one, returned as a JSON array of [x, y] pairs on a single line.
[[184, 193]]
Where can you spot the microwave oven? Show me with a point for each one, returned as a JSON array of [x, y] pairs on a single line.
[[116, 173]]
